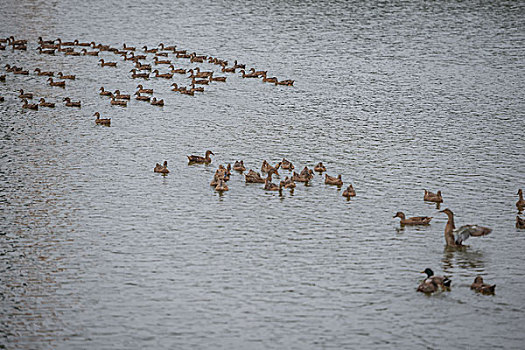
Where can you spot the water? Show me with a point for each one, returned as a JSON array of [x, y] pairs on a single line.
[[97, 251]]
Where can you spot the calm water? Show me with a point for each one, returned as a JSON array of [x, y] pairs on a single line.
[[97, 251]]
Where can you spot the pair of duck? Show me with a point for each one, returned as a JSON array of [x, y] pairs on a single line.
[[220, 177], [433, 283]]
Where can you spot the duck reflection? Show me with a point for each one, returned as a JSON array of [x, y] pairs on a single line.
[[462, 257]]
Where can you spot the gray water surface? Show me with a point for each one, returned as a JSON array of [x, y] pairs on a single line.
[[99, 252]]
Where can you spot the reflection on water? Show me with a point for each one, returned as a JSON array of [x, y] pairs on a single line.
[[97, 251]]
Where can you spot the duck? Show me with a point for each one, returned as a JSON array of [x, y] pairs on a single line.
[[330, 180], [196, 89], [225, 69], [239, 166], [26, 95], [115, 102], [305, 176], [128, 48], [21, 72], [65, 49], [167, 48], [72, 53], [415, 220], [120, 96], [177, 88], [163, 75], [455, 238], [238, 65], [178, 70], [266, 167], [139, 97], [136, 75], [146, 50], [27, 105], [46, 52], [161, 54], [479, 286], [200, 81], [520, 204], [221, 186], [249, 75], [43, 103], [156, 102], [89, 53], [349, 192], [254, 177], [288, 183], [140, 66], [104, 92], [433, 197], [203, 74], [48, 74], [47, 42], [62, 76], [270, 186], [186, 92], [61, 84], [70, 103], [433, 283], [142, 90], [268, 80], [157, 61], [520, 223], [135, 58], [163, 169], [219, 79], [286, 164], [77, 43], [285, 82], [102, 121], [107, 64], [320, 167], [65, 43], [258, 73], [198, 159]]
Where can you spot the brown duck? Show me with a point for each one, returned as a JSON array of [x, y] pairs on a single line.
[[349, 192], [286, 164], [43, 103], [520, 204], [198, 159], [163, 169], [481, 287], [320, 167], [266, 167], [330, 180], [239, 166], [102, 121], [433, 283], [415, 220], [455, 238], [433, 197], [520, 223]]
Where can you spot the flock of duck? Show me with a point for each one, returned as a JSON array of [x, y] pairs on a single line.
[[162, 56], [142, 70]]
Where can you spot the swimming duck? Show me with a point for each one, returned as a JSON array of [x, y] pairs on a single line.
[[135, 58], [520, 223], [72, 53], [178, 70], [225, 69], [128, 48], [286, 164], [520, 204], [136, 75], [163, 169], [144, 91], [249, 75], [120, 96], [196, 89], [481, 287], [104, 92], [107, 64], [238, 65], [61, 84], [66, 43], [47, 42], [349, 192], [177, 88], [118, 102], [415, 220], [46, 52], [266, 167], [186, 92], [43, 103], [39, 72], [254, 177], [102, 121], [26, 95], [320, 167], [220, 79], [268, 80], [288, 183], [70, 103], [200, 81], [145, 48], [305, 176], [89, 53], [27, 105], [330, 180], [167, 48], [77, 43], [139, 97], [199, 159], [21, 72], [433, 283], [140, 66], [258, 73], [270, 186], [62, 76], [163, 75], [156, 61], [239, 166], [202, 74], [285, 82], [433, 197], [463, 233], [156, 102], [221, 186]]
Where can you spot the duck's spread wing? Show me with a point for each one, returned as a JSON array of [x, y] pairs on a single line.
[[464, 232]]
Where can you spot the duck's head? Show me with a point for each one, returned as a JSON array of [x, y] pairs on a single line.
[[208, 152], [447, 211], [165, 163], [429, 272], [399, 214], [97, 114], [478, 279]]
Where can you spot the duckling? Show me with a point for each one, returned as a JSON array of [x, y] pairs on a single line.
[[142, 90], [463, 233], [433, 197], [128, 48], [286, 164], [433, 283], [70, 103], [156, 102], [139, 97], [145, 48], [481, 287], [415, 220], [249, 75], [330, 180], [26, 95], [239, 166], [107, 64], [349, 192], [48, 74], [102, 121], [164, 75], [115, 102], [46, 52], [221, 186], [43, 103], [156, 61], [320, 167], [77, 43], [266, 167], [139, 75], [27, 105], [163, 169], [520, 204], [89, 53], [61, 76], [520, 223], [120, 96], [104, 92], [270, 186], [61, 84], [199, 159]]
